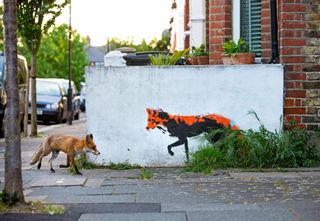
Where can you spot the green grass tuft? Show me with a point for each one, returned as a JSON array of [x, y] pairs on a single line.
[[145, 174], [257, 149]]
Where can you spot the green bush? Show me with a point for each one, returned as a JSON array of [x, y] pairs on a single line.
[[199, 51], [166, 59], [258, 149], [207, 159]]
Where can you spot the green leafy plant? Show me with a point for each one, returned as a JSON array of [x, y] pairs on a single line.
[[207, 159], [7, 199], [145, 174], [166, 59], [122, 166], [257, 149], [47, 208], [199, 51], [231, 47]]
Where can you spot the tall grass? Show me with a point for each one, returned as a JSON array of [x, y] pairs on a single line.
[[257, 149]]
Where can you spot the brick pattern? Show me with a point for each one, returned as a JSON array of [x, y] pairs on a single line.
[[299, 33], [265, 31], [299, 48], [291, 27], [186, 22], [312, 65], [207, 24], [220, 28]]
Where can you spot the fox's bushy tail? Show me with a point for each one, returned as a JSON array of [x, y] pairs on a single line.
[[36, 155]]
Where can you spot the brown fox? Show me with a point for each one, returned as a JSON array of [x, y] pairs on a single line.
[[68, 144]]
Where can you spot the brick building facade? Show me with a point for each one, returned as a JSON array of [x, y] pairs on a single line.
[[298, 44]]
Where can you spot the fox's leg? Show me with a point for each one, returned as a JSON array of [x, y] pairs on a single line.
[[67, 165], [182, 140], [40, 159], [55, 154], [74, 165], [187, 149]]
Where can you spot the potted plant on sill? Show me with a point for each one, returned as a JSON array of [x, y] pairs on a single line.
[[237, 53], [199, 55]]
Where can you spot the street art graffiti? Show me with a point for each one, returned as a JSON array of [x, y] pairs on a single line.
[[183, 127]]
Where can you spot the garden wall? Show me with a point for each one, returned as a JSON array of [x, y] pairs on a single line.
[[117, 99]]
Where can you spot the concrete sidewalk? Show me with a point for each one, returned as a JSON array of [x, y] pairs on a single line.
[[172, 193]]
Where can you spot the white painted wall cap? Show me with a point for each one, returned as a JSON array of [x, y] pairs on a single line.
[[115, 54]]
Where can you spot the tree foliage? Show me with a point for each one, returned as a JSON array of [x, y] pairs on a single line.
[[35, 17], [53, 55]]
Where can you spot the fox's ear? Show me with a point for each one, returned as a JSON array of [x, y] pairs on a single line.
[[88, 138], [91, 136]]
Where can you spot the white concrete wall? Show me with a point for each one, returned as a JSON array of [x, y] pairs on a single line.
[[117, 98]]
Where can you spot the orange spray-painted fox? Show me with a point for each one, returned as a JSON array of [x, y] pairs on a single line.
[[186, 126], [67, 144]]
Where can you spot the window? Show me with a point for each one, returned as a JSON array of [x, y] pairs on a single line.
[[250, 24]]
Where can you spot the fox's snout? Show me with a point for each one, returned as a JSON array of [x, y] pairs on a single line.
[[96, 153]]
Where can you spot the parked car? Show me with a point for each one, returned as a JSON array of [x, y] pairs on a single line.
[[75, 95], [83, 98], [51, 101], [22, 76]]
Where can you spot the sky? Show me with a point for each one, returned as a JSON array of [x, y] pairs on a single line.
[[123, 19]]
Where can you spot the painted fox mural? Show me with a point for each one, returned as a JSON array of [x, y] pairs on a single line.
[[183, 127]]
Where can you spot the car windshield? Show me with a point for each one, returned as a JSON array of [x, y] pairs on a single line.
[[48, 88]]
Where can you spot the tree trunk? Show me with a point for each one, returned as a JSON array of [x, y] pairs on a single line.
[[34, 131], [26, 107], [13, 177]]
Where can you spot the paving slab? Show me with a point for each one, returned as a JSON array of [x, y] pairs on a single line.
[[134, 217], [41, 198], [92, 182], [27, 192], [265, 175], [62, 181], [74, 211], [240, 215], [306, 214], [132, 174], [176, 207], [62, 191], [125, 198]]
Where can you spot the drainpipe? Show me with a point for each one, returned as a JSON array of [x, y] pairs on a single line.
[[274, 33]]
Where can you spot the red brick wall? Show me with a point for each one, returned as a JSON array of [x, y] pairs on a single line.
[[220, 28], [299, 49], [186, 21], [291, 40], [265, 31], [207, 24]]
